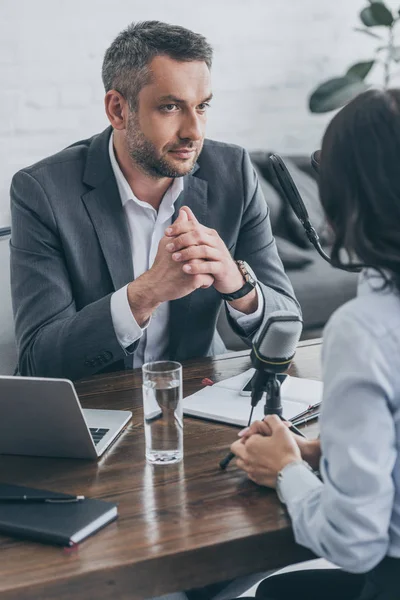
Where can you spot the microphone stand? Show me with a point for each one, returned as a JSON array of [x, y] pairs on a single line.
[[273, 405], [268, 383]]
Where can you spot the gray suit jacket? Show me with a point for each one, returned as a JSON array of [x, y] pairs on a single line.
[[70, 250]]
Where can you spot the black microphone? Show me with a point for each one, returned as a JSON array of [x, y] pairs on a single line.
[[273, 349], [292, 195], [272, 352], [315, 160]]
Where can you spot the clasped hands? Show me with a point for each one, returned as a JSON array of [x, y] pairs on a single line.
[[201, 253], [267, 446], [189, 256]]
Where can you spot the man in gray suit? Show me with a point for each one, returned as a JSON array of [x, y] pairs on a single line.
[[124, 245]]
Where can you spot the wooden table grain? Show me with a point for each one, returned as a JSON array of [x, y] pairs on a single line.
[[179, 526]]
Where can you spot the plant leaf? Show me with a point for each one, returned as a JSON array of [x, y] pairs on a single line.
[[368, 32], [335, 93], [376, 14], [367, 18], [360, 70]]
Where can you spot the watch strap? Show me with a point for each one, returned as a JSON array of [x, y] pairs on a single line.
[[246, 288]]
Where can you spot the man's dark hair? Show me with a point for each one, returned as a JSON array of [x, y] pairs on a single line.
[[125, 65], [359, 181]]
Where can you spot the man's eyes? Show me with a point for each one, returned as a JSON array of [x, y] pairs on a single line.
[[174, 107], [203, 106], [169, 107]]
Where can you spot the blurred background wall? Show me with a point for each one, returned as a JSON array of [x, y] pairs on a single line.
[[269, 55]]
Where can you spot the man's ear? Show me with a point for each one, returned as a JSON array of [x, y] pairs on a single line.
[[117, 109]]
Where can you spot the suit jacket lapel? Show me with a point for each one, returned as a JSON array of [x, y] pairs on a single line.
[[105, 209], [194, 195]]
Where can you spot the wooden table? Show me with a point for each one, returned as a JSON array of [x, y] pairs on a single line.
[[179, 526]]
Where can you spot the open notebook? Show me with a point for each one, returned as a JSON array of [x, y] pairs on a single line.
[[222, 401]]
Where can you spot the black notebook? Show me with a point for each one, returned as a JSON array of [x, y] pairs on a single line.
[[64, 523]]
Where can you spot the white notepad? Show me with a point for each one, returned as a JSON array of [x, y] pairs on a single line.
[[222, 401]]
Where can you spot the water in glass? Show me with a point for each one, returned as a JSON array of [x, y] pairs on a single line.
[[163, 425]]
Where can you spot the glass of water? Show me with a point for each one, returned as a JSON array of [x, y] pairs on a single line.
[[163, 414]]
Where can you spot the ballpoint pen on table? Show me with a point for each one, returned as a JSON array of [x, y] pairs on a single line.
[[305, 420], [306, 411]]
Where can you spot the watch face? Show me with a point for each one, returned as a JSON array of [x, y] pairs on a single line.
[[248, 273]]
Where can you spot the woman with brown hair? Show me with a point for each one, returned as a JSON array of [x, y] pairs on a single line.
[[351, 516]]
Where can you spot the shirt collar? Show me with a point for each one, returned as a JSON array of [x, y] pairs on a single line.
[[370, 281], [125, 190]]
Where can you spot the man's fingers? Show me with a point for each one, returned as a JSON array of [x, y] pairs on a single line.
[[208, 284], [205, 281], [184, 222], [182, 216], [190, 214], [196, 252], [199, 267], [186, 239]]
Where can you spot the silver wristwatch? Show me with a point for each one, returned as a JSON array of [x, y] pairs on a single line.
[[250, 281]]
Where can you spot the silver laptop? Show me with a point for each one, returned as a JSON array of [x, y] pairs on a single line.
[[43, 417]]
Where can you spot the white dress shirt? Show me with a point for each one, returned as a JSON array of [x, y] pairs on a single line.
[[146, 228], [353, 517]]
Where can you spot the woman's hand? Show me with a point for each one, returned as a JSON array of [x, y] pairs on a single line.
[[310, 449], [265, 453]]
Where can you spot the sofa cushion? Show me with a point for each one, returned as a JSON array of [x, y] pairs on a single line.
[[292, 256], [321, 289]]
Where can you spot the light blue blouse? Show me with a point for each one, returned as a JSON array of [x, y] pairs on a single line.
[[353, 517]]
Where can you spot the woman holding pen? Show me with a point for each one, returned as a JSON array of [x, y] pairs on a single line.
[[351, 516]]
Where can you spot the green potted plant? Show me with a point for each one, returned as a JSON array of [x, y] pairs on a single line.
[[336, 92]]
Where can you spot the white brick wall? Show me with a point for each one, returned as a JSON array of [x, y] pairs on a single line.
[[268, 55]]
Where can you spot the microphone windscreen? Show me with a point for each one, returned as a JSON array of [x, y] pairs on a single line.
[[275, 344], [315, 160]]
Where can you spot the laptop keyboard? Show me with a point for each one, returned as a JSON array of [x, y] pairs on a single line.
[[98, 434]]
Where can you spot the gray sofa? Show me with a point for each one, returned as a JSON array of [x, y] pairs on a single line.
[[319, 288], [8, 351]]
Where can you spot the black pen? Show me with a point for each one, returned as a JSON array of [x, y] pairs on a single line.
[[225, 461], [32, 499]]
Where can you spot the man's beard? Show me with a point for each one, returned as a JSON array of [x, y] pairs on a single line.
[[143, 152]]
